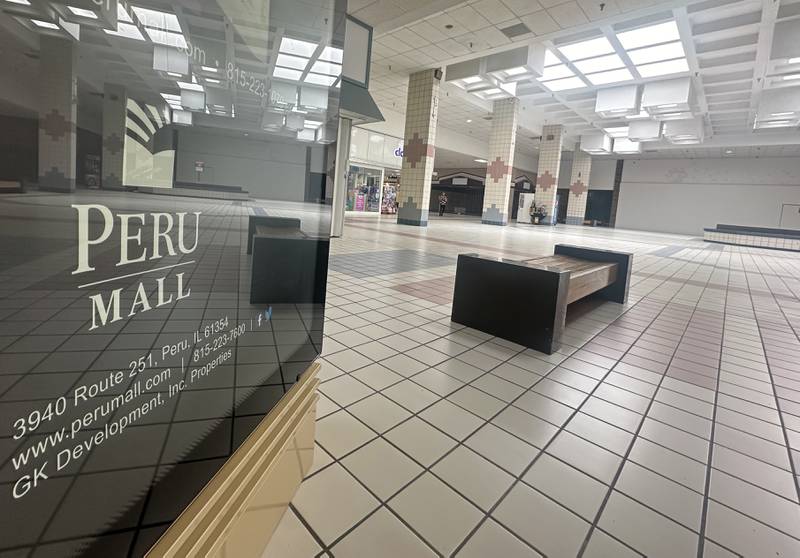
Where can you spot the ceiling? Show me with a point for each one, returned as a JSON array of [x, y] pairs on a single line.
[[727, 46]]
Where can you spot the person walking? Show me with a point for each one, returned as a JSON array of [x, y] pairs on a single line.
[[442, 203]]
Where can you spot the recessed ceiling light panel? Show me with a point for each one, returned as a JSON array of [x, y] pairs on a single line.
[[289, 61], [650, 35], [657, 53], [286, 73], [297, 47], [586, 49], [612, 76], [663, 68], [564, 84]]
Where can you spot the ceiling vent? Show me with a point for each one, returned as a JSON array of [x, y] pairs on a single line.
[[515, 31]]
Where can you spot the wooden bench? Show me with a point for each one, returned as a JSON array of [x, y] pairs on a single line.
[[288, 265], [526, 301]]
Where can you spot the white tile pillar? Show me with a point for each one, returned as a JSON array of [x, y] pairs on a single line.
[[502, 141], [422, 113], [549, 166], [578, 186], [58, 114]]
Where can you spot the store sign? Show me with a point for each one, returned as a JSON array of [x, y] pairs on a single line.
[[399, 151]]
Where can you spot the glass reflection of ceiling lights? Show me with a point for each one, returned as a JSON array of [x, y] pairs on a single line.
[[162, 27], [296, 61]]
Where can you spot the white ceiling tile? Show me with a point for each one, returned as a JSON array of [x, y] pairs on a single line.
[[424, 29], [453, 48], [540, 23], [409, 37], [568, 14], [523, 7], [595, 9], [468, 18], [493, 10], [551, 3]]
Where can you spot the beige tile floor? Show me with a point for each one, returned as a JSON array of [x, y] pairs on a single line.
[[666, 427]]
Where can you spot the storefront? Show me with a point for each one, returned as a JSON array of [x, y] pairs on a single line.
[[373, 181]]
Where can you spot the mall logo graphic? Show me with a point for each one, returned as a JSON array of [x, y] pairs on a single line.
[[164, 242]]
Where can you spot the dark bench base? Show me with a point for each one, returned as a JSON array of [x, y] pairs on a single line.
[[289, 270], [524, 302], [256, 221]]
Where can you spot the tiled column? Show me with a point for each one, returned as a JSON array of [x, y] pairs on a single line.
[[114, 112], [549, 165], [578, 187], [502, 140], [58, 111], [422, 112]]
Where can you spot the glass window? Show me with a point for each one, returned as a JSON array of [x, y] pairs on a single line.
[[163, 250]]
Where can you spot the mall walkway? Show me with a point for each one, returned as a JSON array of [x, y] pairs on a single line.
[[439, 440]]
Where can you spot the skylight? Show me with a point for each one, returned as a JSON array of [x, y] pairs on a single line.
[[44, 24], [127, 31], [318, 79], [288, 61], [122, 15], [297, 47], [657, 53], [562, 84], [600, 64], [650, 35], [190, 86], [321, 67], [331, 54], [23, 2], [587, 49], [663, 68], [556, 72], [285, 73], [612, 76]]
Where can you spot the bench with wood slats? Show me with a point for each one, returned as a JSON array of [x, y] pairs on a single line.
[[526, 301]]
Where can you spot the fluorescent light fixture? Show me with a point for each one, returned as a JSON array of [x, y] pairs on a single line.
[[616, 131], [167, 38], [657, 53], [469, 120], [778, 123], [174, 74], [22, 2], [612, 76], [556, 72], [44, 24], [663, 68], [550, 59], [212, 80], [684, 132], [297, 47], [650, 35], [483, 161], [791, 77], [288, 61], [163, 21], [319, 79], [679, 115], [779, 114], [492, 91], [729, 152], [312, 124], [321, 67], [586, 49], [81, 12], [795, 60], [331, 54], [471, 80], [563, 84], [285, 73], [616, 102], [600, 64], [190, 86], [209, 69]]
